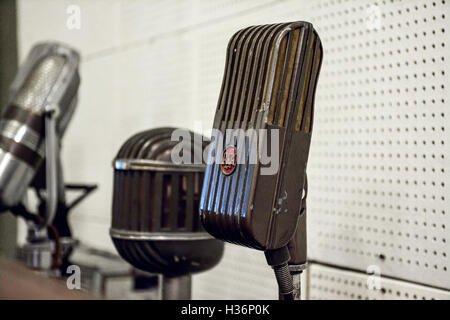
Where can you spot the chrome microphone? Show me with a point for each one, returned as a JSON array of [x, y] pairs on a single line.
[[43, 97], [155, 216], [266, 103]]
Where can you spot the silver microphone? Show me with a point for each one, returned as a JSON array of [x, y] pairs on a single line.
[[42, 99]]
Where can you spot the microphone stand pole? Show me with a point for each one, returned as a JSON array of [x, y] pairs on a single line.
[[176, 288]]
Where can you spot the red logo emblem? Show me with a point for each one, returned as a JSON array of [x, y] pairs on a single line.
[[229, 160]]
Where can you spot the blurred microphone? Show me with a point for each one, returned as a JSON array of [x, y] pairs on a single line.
[[42, 100], [155, 217], [266, 103]]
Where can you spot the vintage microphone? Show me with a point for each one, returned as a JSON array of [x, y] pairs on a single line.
[[43, 97], [266, 103], [155, 218]]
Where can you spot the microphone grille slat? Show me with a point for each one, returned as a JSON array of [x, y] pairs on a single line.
[[312, 89], [145, 209], [277, 81], [287, 78], [175, 216], [158, 196], [309, 56], [135, 202], [190, 185]]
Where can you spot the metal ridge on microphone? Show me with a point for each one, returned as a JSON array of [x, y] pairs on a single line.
[[155, 236], [156, 165]]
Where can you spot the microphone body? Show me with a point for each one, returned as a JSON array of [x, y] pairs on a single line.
[[155, 217], [47, 80], [269, 84]]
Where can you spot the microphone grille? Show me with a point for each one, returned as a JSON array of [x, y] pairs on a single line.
[[157, 196], [155, 218], [38, 85]]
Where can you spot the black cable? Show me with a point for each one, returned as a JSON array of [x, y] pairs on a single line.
[[278, 259]]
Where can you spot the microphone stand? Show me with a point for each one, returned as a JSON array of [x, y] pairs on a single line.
[[289, 262], [49, 240], [176, 288], [40, 252]]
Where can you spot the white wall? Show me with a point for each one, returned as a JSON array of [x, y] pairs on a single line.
[[155, 63]]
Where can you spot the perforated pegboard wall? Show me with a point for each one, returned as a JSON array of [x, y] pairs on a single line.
[[328, 283], [379, 163]]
